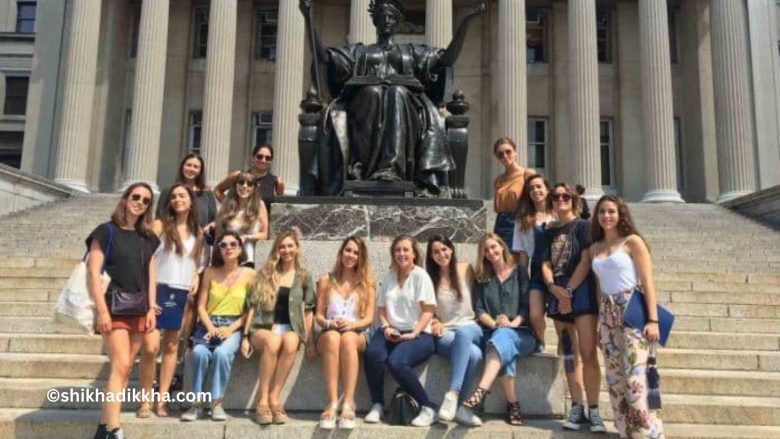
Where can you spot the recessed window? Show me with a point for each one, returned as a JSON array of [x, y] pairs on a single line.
[[11, 148], [536, 28], [262, 128], [195, 125], [604, 35], [200, 34], [16, 88], [607, 152], [265, 34], [537, 144], [25, 17]]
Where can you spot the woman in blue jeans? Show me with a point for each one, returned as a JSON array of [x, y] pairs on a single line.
[[405, 305], [457, 335], [501, 305]]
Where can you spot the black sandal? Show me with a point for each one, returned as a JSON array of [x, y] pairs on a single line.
[[513, 415], [476, 399]]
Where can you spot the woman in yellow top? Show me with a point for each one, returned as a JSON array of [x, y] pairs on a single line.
[[508, 188], [221, 311]]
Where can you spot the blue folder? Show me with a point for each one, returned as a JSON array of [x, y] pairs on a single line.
[[635, 316]]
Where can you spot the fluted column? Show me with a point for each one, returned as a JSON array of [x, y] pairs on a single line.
[[149, 88], [361, 27], [657, 111], [584, 97], [218, 94], [73, 140], [512, 83], [438, 22], [288, 90], [733, 115]]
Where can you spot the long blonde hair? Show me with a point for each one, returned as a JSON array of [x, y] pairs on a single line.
[[267, 283], [484, 269], [365, 283]]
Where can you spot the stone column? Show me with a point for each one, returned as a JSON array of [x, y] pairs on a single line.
[[438, 23], [657, 110], [77, 95], [149, 89], [512, 82], [218, 94], [288, 91], [361, 27], [733, 115], [584, 97]]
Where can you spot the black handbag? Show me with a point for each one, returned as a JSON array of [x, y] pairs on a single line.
[[129, 303], [403, 408]]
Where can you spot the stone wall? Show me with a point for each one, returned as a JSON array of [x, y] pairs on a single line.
[[763, 206], [20, 191]]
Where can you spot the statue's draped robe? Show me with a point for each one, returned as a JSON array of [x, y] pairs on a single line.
[[382, 123]]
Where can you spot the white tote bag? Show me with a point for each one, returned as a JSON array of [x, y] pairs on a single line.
[[75, 308]]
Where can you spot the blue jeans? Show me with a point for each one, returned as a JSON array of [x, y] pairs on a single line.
[[400, 359], [461, 346], [505, 227], [218, 361], [511, 344]]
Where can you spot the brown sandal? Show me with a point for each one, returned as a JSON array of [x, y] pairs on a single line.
[[144, 411], [161, 410], [279, 415], [476, 399], [513, 415], [263, 415]]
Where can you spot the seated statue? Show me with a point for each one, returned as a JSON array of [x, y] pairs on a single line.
[[383, 123]]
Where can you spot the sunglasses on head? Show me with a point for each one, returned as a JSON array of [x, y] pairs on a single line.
[[244, 182], [138, 197], [224, 245], [561, 197], [264, 157]]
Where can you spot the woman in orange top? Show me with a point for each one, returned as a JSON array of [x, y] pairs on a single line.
[[508, 187]]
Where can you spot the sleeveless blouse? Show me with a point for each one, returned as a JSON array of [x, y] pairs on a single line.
[[615, 272], [226, 301]]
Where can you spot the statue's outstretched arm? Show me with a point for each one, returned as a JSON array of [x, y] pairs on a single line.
[[452, 51], [314, 37]]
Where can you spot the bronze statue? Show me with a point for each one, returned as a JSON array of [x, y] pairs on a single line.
[[383, 123]]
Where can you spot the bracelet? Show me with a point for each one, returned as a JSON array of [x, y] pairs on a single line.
[[245, 335], [652, 321]]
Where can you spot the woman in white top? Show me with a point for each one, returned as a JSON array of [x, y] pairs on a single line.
[[621, 260], [345, 308], [178, 259], [406, 303], [244, 212], [533, 216]]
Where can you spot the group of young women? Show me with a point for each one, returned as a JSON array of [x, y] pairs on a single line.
[[492, 311]]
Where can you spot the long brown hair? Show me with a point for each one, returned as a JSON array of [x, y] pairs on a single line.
[[200, 180], [267, 283], [143, 224], [484, 269], [216, 256], [230, 207], [365, 283], [576, 200], [172, 238], [434, 270], [625, 225], [526, 212]]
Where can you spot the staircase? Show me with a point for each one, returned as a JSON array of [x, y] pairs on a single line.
[[717, 271]]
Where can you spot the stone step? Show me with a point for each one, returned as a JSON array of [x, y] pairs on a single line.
[[719, 297], [707, 340], [28, 295], [51, 343], [78, 424], [34, 325], [26, 309], [720, 360], [724, 310], [713, 409], [718, 382]]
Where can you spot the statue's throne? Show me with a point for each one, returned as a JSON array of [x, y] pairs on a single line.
[[310, 139]]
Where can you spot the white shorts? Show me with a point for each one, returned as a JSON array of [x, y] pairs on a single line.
[[281, 329]]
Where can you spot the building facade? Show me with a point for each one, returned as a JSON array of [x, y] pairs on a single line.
[[656, 100]]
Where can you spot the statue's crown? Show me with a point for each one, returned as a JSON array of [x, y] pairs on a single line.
[[375, 5]]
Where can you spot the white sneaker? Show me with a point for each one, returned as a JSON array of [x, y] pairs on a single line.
[[426, 417], [466, 416], [192, 414], [448, 406], [375, 414]]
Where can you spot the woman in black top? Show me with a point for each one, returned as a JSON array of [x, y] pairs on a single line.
[[575, 312], [127, 245], [192, 174], [269, 184]]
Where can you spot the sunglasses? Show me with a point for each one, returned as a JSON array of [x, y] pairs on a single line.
[[263, 158], [224, 245], [244, 182], [503, 153], [561, 197], [138, 197]]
